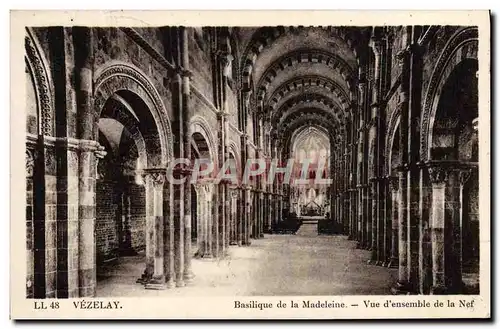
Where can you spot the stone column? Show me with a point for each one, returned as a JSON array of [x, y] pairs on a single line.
[[178, 171], [446, 226], [83, 41], [361, 160], [186, 140], [266, 214], [240, 224], [388, 220], [375, 149], [169, 237], [229, 218], [154, 276], [221, 215], [403, 285], [270, 213], [367, 212], [382, 222], [214, 200], [394, 184], [247, 221], [374, 192], [205, 250], [425, 209], [234, 216]]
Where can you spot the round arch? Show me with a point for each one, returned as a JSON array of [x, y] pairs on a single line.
[[389, 138], [462, 46], [119, 109], [198, 124], [117, 77], [38, 67]]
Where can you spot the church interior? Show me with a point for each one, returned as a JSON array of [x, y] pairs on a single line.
[[391, 110]]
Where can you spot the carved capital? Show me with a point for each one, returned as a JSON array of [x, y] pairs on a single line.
[[439, 175], [155, 175], [30, 162], [394, 183], [464, 175], [222, 114], [403, 57], [475, 124], [377, 45], [100, 152], [183, 72]]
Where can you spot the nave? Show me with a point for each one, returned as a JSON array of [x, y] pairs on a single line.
[[278, 265], [389, 114]]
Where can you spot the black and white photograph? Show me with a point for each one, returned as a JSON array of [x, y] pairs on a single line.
[[286, 160]]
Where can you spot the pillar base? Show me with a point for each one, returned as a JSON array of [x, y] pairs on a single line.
[[156, 283], [379, 263], [401, 288], [443, 290], [233, 243], [373, 258], [170, 284], [188, 277], [261, 236], [145, 278], [127, 252], [180, 283], [393, 263]]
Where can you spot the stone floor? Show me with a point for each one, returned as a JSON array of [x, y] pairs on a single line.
[[275, 265]]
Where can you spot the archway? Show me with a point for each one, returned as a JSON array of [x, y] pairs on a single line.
[[202, 155], [131, 197], [454, 146], [41, 175], [125, 131], [393, 203]]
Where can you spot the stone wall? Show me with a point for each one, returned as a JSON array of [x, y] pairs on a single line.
[[106, 221], [200, 62], [432, 53], [115, 45], [137, 216]]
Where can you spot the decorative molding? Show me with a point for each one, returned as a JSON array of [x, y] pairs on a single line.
[[199, 124], [311, 56], [43, 83], [267, 35], [235, 129], [309, 81], [461, 37], [464, 175], [204, 99], [439, 175], [428, 35], [156, 175], [389, 136], [30, 162], [393, 89], [313, 103], [139, 39], [393, 182]]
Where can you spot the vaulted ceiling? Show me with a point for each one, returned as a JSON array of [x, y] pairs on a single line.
[[303, 76]]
